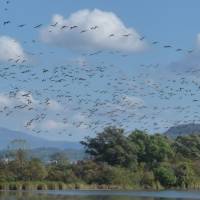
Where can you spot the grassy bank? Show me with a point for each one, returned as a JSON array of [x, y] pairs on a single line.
[[54, 186], [20, 186]]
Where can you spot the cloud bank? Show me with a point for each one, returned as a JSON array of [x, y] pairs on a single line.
[[189, 61], [92, 30], [10, 49], [26, 98]]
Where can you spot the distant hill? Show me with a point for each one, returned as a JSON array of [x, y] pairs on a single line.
[[45, 154], [6, 136], [182, 130]]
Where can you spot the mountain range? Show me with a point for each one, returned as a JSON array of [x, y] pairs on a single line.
[[32, 142], [182, 130], [44, 148]]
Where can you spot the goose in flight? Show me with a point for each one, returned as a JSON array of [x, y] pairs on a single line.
[[6, 22], [53, 25], [73, 27], [167, 46], [21, 25], [94, 27], [38, 26], [126, 35]]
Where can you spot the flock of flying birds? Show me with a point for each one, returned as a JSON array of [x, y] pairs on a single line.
[[89, 96]]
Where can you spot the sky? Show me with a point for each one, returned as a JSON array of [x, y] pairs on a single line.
[[132, 64]]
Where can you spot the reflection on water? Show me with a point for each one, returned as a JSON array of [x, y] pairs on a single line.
[[99, 195], [32, 196], [26, 196]]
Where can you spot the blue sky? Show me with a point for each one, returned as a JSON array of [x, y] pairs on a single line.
[[150, 89]]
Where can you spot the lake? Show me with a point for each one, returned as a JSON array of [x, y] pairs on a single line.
[[99, 195]]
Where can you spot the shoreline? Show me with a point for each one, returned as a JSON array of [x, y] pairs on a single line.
[[61, 186]]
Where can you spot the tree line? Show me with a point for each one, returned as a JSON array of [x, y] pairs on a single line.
[[114, 159]]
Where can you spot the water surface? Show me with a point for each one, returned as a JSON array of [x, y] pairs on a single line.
[[99, 195]]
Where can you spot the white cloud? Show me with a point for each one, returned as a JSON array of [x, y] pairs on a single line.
[[189, 61], [132, 101], [108, 35], [54, 105], [80, 121], [17, 99], [198, 40], [52, 124], [4, 100], [26, 98], [10, 49]]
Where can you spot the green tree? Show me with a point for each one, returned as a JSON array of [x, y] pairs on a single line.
[[111, 146], [151, 148], [35, 170], [165, 175], [60, 159], [188, 146], [60, 169], [147, 179], [18, 164], [158, 149], [139, 139], [86, 170], [184, 174]]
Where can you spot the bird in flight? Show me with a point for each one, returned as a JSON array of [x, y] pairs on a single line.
[[6, 22], [127, 35], [94, 27], [73, 27], [37, 26], [53, 25], [21, 25]]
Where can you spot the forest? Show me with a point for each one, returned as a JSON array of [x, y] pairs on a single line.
[[115, 160]]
